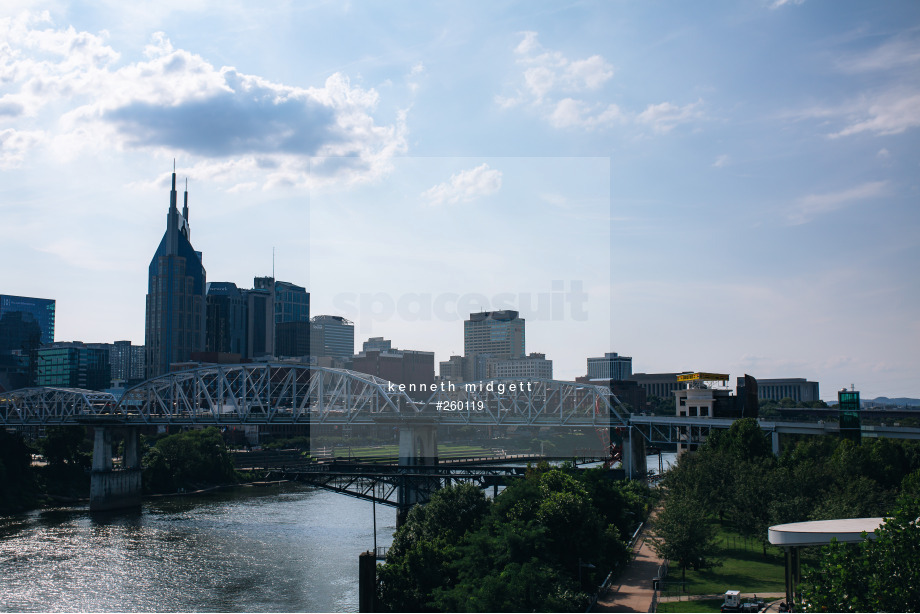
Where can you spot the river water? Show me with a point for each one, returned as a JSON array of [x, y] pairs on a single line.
[[286, 548]]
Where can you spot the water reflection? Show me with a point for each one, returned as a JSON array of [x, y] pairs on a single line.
[[288, 548]]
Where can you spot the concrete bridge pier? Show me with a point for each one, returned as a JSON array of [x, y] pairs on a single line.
[[418, 447], [110, 488], [776, 446], [634, 456]]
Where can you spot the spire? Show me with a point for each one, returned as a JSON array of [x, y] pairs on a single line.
[[172, 219], [185, 205], [172, 193]]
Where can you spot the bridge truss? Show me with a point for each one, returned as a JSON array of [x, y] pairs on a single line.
[[384, 483], [278, 393]]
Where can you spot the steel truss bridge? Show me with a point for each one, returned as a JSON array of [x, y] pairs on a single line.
[[278, 393], [270, 393], [388, 484]]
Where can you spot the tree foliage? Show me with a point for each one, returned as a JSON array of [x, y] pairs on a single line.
[[188, 459], [539, 546], [682, 532], [875, 575], [66, 445], [736, 477], [18, 487]]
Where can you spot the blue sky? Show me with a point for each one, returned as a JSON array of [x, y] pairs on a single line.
[[725, 186]]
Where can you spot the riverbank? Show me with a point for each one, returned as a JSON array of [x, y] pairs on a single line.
[[50, 501]]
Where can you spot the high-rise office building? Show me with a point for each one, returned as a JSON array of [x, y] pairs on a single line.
[[26, 324], [74, 365], [491, 336], [18, 317], [332, 336], [260, 318], [271, 319], [292, 320], [226, 319], [176, 306], [127, 362], [611, 366]]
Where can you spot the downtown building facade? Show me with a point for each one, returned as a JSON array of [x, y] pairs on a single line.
[[413, 368], [332, 337], [491, 336], [662, 385], [610, 366], [270, 320], [74, 364], [176, 290], [292, 320], [26, 323], [22, 317], [798, 389], [128, 362], [531, 367]]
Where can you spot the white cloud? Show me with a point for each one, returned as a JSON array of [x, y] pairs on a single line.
[[569, 112], [590, 73], [564, 92], [551, 80], [893, 54], [778, 3], [893, 106], [465, 186], [540, 80], [721, 161], [665, 116], [810, 206], [176, 100], [888, 113], [15, 143], [415, 74]]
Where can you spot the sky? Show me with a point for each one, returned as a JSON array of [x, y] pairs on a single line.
[[724, 186]]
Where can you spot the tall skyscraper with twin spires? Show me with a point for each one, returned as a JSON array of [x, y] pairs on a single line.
[[176, 291]]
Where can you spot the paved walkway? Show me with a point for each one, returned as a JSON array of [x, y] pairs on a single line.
[[634, 593]]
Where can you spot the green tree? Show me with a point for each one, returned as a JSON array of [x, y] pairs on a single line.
[[683, 534], [419, 561], [875, 575], [18, 488], [753, 493], [65, 445], [661, 406], [538, 546], [188, 459]]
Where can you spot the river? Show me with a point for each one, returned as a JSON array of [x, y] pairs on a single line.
[[286, 548]]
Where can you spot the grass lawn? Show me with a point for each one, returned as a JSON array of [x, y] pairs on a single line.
[[743, 568], [391, 453], [695, 605]]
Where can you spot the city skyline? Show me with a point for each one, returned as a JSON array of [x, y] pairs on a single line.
[[729, 188]]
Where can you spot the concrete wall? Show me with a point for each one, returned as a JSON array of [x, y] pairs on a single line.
[[112, 490]]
